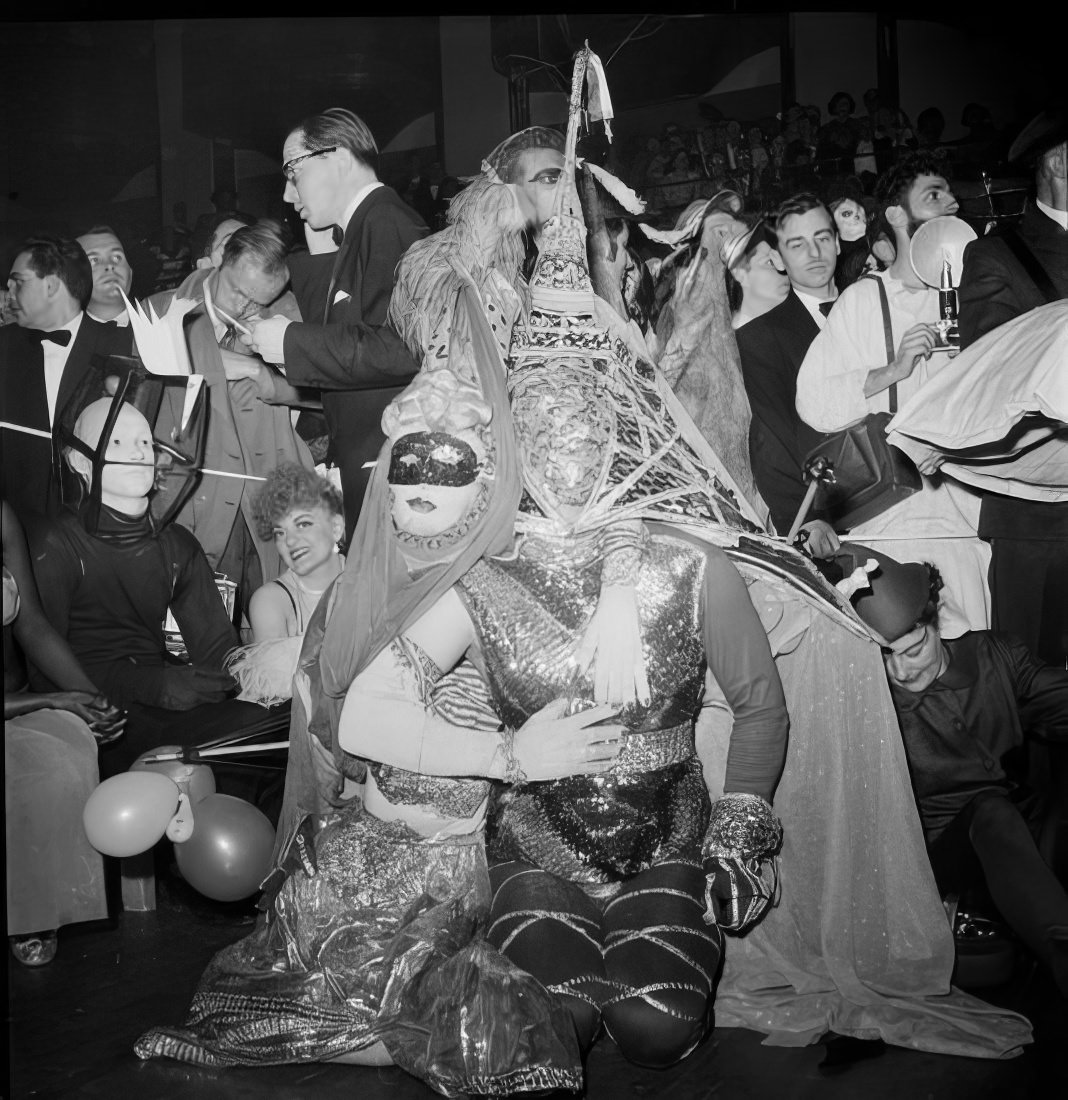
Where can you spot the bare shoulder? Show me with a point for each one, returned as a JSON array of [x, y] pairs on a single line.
[[270, 613]]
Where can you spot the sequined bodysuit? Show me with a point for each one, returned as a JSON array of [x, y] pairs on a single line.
[[653, 805]]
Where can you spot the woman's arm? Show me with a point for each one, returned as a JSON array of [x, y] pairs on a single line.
[[270, 613], [740, 659], [386, 716]]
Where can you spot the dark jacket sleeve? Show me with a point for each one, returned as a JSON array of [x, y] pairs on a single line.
[[987, 296], [739, 657], [196, 604], [342, 356], [1041, 690]]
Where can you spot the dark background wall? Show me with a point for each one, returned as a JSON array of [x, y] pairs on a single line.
[[134, 122]]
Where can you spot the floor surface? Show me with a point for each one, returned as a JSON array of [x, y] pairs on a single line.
[[72, 1026]]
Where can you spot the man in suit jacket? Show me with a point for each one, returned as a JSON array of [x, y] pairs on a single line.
[[772, 347], [360, 365], [44, 356], [249, 428], [1028, 539]]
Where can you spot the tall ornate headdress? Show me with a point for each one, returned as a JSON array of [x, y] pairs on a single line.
[[639, 455]]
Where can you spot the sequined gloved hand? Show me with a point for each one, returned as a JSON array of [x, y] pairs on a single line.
[[741, 874], [739, 892]]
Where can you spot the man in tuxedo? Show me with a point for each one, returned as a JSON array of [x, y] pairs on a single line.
[[357, 362], [112, 275], [1006, 274], [772, 347], [43, 358]]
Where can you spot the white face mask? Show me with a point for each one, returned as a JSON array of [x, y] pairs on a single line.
[[426, 499]]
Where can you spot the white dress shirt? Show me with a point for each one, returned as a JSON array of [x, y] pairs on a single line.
[[812, 303], [357, 199], [122, 320]]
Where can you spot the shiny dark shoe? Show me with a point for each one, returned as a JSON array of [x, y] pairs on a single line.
[[970, 927], [985, 949], [36, 949]]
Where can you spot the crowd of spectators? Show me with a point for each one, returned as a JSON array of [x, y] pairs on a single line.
[[804, 148]]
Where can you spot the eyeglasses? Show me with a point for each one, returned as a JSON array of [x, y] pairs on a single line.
[[289, 168]]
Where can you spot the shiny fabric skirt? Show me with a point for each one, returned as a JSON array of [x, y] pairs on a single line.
[[373, 934]]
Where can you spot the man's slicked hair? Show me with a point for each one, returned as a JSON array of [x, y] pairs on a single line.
[[65, 259], [801, 203], [266, 244], [340, 127]]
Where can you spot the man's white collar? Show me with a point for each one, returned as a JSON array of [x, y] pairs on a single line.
[[1059, 216], [358, 198]]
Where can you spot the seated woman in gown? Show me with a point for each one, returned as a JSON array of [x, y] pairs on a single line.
[[302, 512]]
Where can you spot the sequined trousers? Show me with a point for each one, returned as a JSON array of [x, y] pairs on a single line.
[[598, 889]]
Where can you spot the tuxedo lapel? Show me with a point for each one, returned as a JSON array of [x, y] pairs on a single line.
[[333, 278], [797, 320], [341, 273], [345, 275]]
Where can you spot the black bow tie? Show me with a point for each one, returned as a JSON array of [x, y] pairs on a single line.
[[338, 234], [825, 307], [60, 336]]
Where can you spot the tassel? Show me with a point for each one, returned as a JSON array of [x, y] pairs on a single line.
[[598, 101]]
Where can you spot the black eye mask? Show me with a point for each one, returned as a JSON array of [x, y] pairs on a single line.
[[432, 458]]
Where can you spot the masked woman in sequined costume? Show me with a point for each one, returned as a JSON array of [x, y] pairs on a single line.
[[605, 890], [604, 886]]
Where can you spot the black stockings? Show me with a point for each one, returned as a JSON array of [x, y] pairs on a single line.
[[647, 965]]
